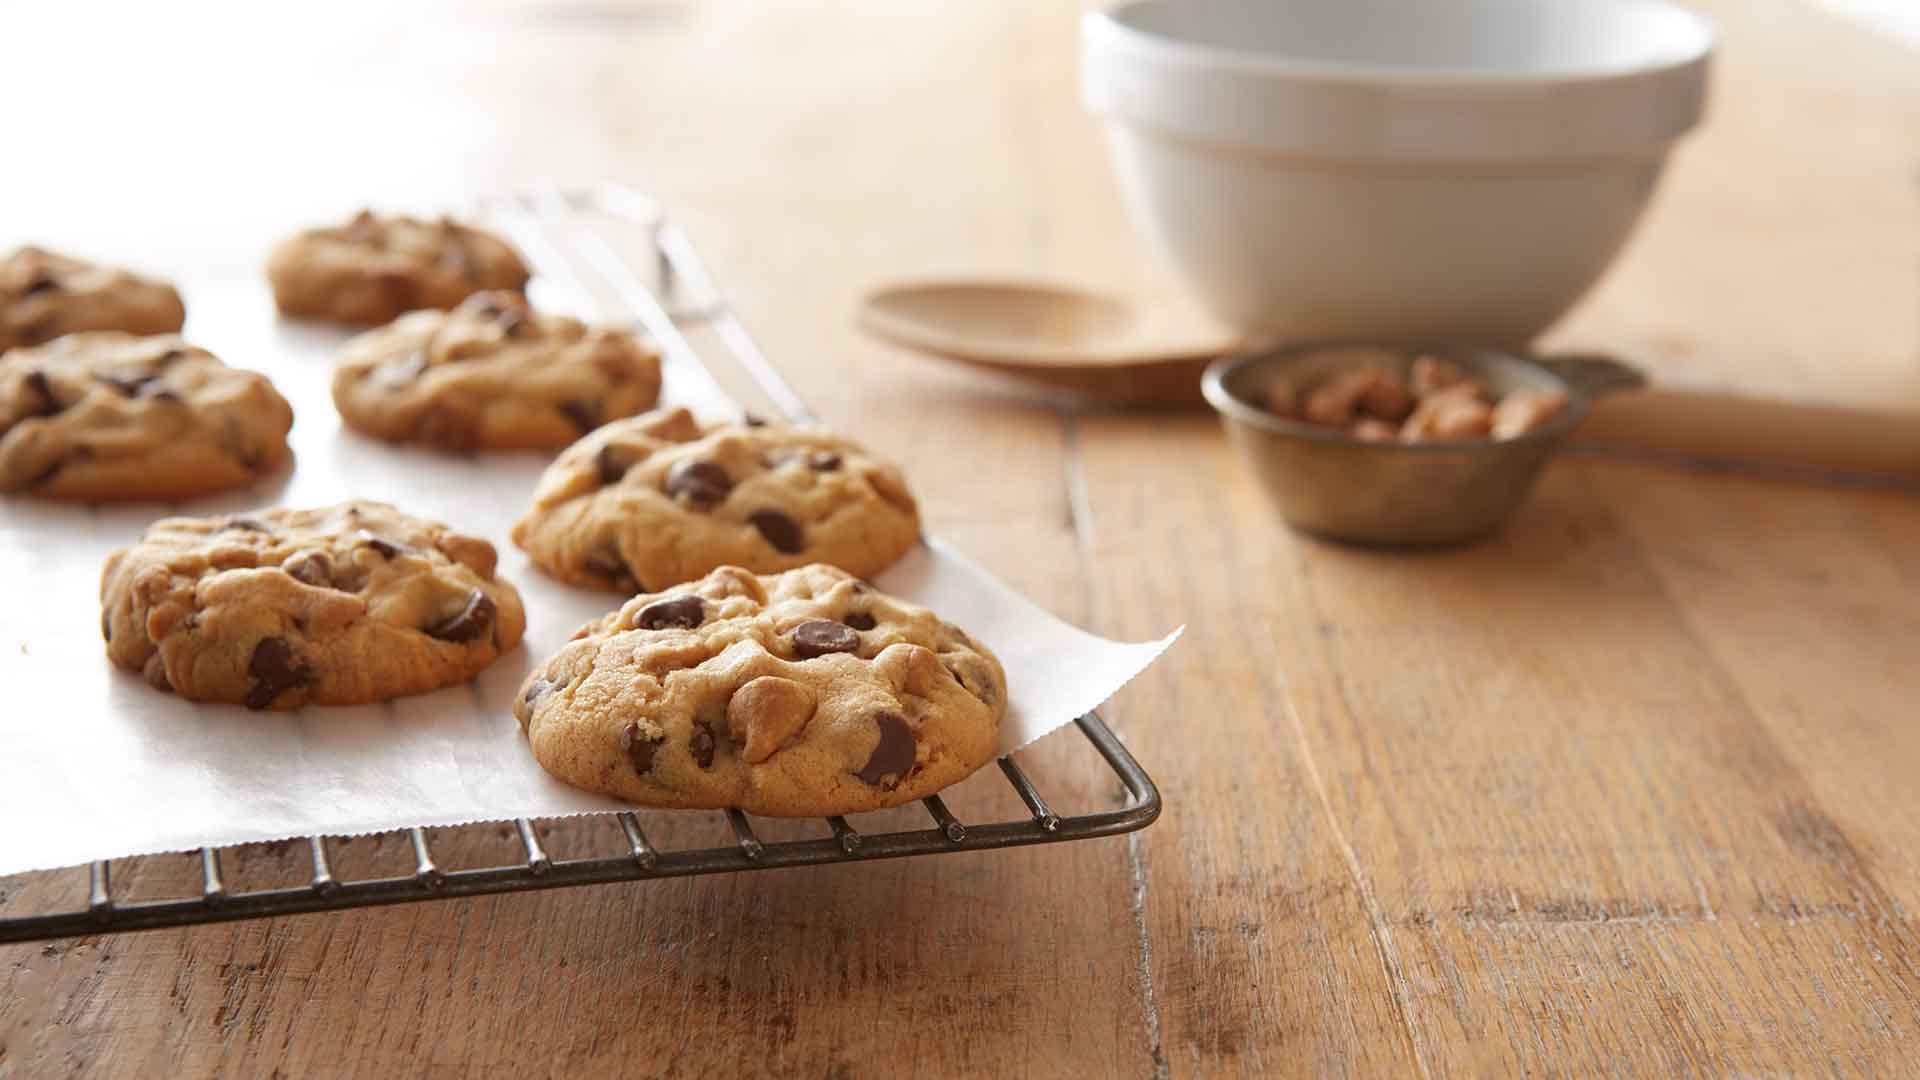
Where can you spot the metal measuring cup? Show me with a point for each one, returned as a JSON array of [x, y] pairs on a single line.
[[1333, 484]]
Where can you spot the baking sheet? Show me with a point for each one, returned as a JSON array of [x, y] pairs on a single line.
[[95, 764]]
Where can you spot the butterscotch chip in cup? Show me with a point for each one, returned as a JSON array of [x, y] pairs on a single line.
[[1524, 410]]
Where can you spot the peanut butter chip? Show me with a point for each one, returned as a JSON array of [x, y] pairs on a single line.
[[765, 713]]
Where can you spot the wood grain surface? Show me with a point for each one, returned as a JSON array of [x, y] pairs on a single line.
[[1628, 790]]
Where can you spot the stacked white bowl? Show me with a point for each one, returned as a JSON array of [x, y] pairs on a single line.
[[1393, 169]]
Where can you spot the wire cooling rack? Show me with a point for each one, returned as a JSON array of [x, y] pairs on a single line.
[[558, 231]]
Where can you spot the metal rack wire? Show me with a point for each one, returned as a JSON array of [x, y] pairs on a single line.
[[551, 227]]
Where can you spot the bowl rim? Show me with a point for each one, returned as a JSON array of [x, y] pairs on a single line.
[[1213, 387], [1108, 20]]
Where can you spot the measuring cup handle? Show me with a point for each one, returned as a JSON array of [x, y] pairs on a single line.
[[1593, 374]]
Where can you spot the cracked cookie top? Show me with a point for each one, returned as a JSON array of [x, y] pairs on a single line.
[[107, 415], [377, 267], [340, 605], [44, 295], [801, 694], [492, 374], [649, 501]]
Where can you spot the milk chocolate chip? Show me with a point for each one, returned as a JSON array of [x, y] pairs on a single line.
[[780, 530], [823, 461], [471, 622], [536, 690], [275, 668], [312, 568], [49, 404], [608, 564], [859, 620], [612, 463], [680, 612], [818, 637], [704, 483], [584, 414], [386, 548], [640, 747], [128, 385], [893, 755], [701, 744]]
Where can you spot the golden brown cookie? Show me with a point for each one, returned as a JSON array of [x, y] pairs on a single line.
[[105, 416], [44, 295], [340, 605], [492, 374], [649, 501], [376, 268], [802, 694]]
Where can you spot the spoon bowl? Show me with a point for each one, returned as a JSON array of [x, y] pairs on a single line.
[[1095, 345]]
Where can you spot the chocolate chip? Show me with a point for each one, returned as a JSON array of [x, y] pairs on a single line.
[[40, 282], [704, 483], [823, 461], [818, 637], [536, 690], [53, 467], [584, 414], [609, 565], [275, 668], [893, 755], [243, 524], [859, 620], [701, 744], [314, 568], [473, 620], [128, 385], [640, 747], [752, 421], [49, 402], [386, 548], [106, 624], [780, 530], [680, 612], [612, 463]]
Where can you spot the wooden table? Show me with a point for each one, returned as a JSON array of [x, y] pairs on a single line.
[[1630, 789]]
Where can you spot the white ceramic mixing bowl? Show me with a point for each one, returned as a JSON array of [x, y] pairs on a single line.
[[1439, 169]]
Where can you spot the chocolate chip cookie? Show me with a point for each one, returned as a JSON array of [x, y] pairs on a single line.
[[800, 694], [649, 501], [376, 268], [336, 606], [105, 415], [44, 295], [492, 374]]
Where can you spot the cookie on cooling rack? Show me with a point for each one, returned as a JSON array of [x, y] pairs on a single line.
[[653, 500], [340, 605], [376, 268], [105, 415], [492, 374], [44, 295], [801, 694]]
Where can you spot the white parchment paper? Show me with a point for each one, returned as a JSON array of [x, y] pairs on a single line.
[[95, 764]]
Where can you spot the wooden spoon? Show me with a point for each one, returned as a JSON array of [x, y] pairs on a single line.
[[1057, 335], [1153, 354]]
